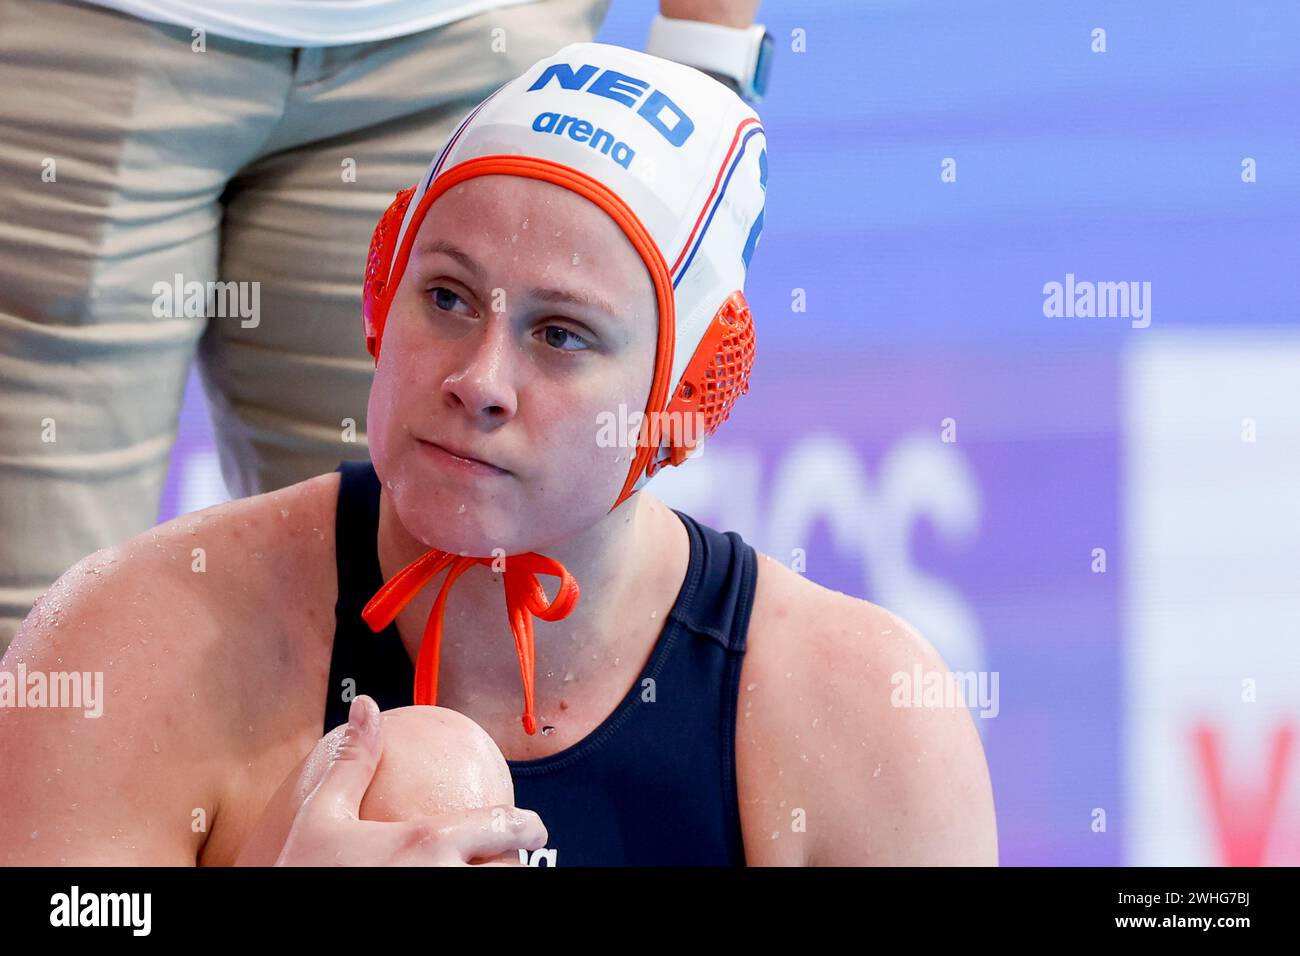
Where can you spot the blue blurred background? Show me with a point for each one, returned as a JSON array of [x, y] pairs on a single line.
[[1105, 515]]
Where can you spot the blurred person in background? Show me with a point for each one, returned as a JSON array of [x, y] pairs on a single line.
[[188, 177]]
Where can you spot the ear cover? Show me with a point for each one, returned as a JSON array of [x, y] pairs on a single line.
[[715, 377], [375, 294]]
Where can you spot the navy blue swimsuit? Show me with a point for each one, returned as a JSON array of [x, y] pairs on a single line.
[[655, 783]]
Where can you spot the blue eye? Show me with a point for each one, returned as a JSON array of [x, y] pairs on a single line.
[[557, 340], [444, 298]]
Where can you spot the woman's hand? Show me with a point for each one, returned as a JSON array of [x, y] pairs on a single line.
[[327, 829]]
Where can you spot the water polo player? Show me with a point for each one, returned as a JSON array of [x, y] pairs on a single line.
[[579, 246]]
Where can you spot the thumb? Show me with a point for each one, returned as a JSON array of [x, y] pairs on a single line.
[[352, 765]]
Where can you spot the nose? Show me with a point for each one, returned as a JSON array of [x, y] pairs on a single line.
[[483, 384]]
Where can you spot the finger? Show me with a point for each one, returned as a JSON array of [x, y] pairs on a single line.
[[487, 832], [352, 765], [510, 858]]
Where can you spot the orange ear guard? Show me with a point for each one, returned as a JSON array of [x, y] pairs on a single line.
[[715, 377], [379, 262]]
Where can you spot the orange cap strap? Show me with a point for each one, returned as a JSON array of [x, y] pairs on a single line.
[[525, 599]]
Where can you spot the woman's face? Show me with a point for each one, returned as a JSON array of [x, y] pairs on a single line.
[[523, 314]]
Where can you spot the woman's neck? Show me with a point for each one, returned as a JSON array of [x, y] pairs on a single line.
[[629, 567]]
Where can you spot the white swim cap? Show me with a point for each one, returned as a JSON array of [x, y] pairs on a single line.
[[677, 159]]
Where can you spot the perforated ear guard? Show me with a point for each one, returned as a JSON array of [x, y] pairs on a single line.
[[715, 377], [379, 260]]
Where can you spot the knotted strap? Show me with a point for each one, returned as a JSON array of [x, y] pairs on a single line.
[[525, 599]]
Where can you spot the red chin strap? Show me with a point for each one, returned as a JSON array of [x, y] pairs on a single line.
[[525, 599]]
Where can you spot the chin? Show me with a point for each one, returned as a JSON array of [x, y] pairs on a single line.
[[431, 511]]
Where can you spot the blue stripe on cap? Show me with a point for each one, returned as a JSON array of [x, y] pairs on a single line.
[[740, 153]]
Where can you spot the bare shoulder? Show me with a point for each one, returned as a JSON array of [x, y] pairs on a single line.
[[186, 635], [832, 770]]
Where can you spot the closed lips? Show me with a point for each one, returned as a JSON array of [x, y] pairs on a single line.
[[460, 454]]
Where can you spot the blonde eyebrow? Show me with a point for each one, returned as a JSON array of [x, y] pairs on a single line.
[[565, 297], [448, 248], [584, 299]]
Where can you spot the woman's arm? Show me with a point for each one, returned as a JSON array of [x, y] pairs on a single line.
[[117, 773]]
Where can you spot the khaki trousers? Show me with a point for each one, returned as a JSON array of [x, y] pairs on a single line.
[[130, 154]]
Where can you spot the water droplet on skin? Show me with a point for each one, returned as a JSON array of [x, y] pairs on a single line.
[[550, 673], [284, 512], [877, 773], [461, 511], [524, 225], [568, 677], [574, 260], [156, 748], [653, 615], [750, 686], [548, 730]]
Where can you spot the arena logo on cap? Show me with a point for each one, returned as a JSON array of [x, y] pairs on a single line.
[[581, 131], [624, 89]]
